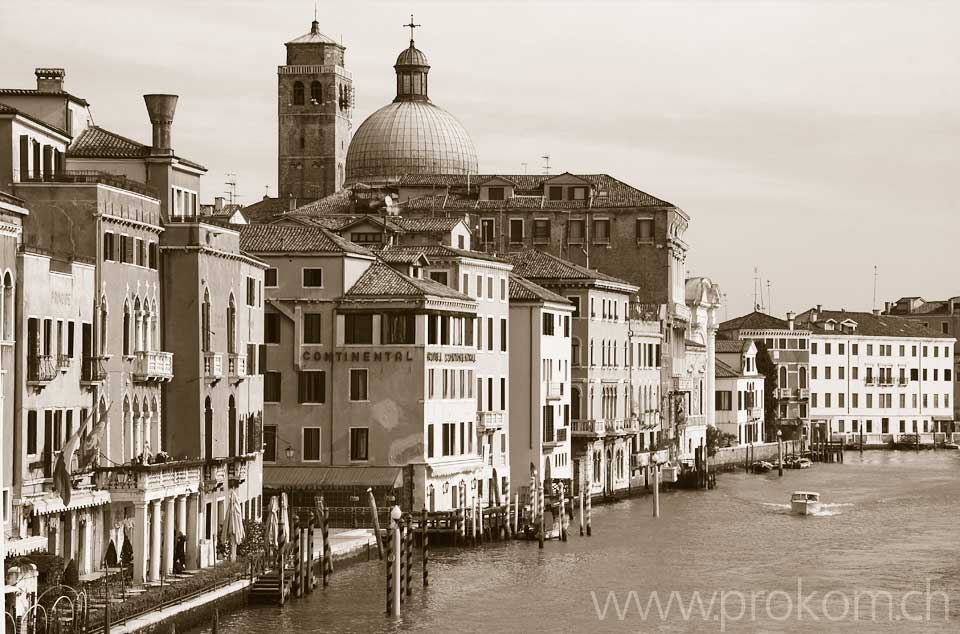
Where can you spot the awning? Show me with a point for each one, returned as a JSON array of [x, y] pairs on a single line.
[[52, 503], [309, 478], [17, 547]]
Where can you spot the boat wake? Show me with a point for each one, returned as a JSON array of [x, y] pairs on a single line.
[[826, 510]]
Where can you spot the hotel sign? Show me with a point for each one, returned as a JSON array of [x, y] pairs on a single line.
[[451, 357], [357, 356]]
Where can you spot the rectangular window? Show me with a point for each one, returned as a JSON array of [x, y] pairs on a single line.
[[516, 231], [398, 328], [312, 387], [138, 256], [548, 323], [312, 333], [251, 291], [70, 335], [359, 438], [271, 387], [447, 439], [357, 329], [503, 334], [153, 257], [32, 432], [555, 193], [486, 230], [503, 394], [358, 384], [269, 443], [270, 278], [541, 230], [575, 231], [271, 328], [601, 231], [490, 333], [644, 229], [724, 400], [440, 277], [311, 444], [313, 278], [430, 440], [494, 193]]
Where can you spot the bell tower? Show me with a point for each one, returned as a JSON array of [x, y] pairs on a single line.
[[314, 111]]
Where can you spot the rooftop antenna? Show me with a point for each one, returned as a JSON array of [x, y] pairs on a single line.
[[757, 296], [546, 164], [231, 184], [266, 191], [875, 276], [524, 168], [314, 11], [769, 301], [723, 300]]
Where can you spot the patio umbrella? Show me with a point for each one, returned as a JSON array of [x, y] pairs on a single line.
[[284, 520], [272, 532], [234, 529]]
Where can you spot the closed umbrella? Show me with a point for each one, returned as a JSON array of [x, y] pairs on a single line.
[[272, 535], [235, 530], [284, 520]]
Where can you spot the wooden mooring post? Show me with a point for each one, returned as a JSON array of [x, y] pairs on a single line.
[[581, 512], [541, 501], [310, 576], [425, 545], [376, 522], [408, 532]]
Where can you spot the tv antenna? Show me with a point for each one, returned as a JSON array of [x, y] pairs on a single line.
[[546, 163], [524, 168], [875, 276], [231, 190]]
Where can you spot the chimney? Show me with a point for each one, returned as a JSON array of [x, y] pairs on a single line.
[[49, 79], [815, 314], [161, 109], [291, 203], [791, 320], [876, 312], [887, 307], [218, 203]]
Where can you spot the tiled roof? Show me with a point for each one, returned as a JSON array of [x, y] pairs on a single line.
[[754, 321], [392, 255], [724, 371], [382, 280], [339, 202], [730, 345], [869, 325], [422, 225], [525, 290], [96, 142], [932, 307], [690, 343], [289, 238], [539, 265], [441, 251], [610, 192], [33, 91], [10, 110]]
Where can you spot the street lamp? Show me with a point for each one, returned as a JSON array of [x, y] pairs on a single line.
[[289, 452]]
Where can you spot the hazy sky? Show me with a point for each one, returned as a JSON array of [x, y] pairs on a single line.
[[812, 139]]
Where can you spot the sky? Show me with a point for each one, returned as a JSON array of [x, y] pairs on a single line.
[[811, 140]]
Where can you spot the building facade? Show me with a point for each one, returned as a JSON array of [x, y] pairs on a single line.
[[739, 393], [886, 377]]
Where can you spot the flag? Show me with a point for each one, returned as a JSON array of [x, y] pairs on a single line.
[[61, 473], [91, 442]]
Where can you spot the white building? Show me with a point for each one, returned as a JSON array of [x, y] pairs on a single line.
[[540, 386], [885, 376], [739, 392], [694, 378]]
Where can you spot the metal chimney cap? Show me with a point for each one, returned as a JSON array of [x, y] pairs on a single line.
[[161, 108]]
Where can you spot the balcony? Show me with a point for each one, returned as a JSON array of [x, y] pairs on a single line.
[[755, 413], [804, 393], [697, 420], [489, 421], [41, 369], [150, 365], [588, 428], [554, 390], [212, 366], [93, 371], [679, 312], [784, 393], [558, 439], [150, 478], [903, 381], [236, 367], [63, 362], [870, 380]]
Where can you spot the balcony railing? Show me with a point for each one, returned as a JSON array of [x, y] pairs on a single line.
[[804, 392], [151, 365], [870, 380], [697, 420], [489, 421], [63, 362], [41, 369], [559, 437], [904, 381], [588, 428], [92, 370], [212, 366], [150, 477], [237, 366], [554, 390], [90, 177]]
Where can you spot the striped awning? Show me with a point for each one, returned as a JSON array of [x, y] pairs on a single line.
[[311, 478], [53, 503], [26, 545]]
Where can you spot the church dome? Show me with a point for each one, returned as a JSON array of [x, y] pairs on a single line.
[[412, 135]]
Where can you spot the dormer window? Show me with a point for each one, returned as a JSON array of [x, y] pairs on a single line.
[[555, 193], [495, 193], [578, 193]]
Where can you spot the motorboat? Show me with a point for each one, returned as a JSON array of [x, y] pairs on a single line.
[[761, 466], [804, 502], [803, 463]]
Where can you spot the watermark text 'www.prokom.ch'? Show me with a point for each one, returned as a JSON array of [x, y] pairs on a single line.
[[734, 606]]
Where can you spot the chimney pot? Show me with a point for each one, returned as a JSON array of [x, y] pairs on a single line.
[[791, 320], [218, 203], [876, 312], [291, 203], [819, 308], [49, 79], [161, 108]]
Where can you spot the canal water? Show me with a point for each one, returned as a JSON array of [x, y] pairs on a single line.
[[882, 556]]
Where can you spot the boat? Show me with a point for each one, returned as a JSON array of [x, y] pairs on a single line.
[[804, 502], [803, 463], [951, 445], [761, 466]]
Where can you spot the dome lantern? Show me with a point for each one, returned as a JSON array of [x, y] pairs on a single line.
[[412, 68]]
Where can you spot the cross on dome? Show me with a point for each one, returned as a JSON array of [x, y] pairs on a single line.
[[411, 26]]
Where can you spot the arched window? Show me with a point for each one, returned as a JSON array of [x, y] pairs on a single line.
[[137, 325], [298, 93], [575, 351], [126, 328], [156, 435], [205, 321], [154, 326], [575, 403], [139, 434], [232, 425], [783, 377], [207, 429], [128, 441], [316, 92], [232, 325], [103, 326], [803, 377], [7, 308]]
